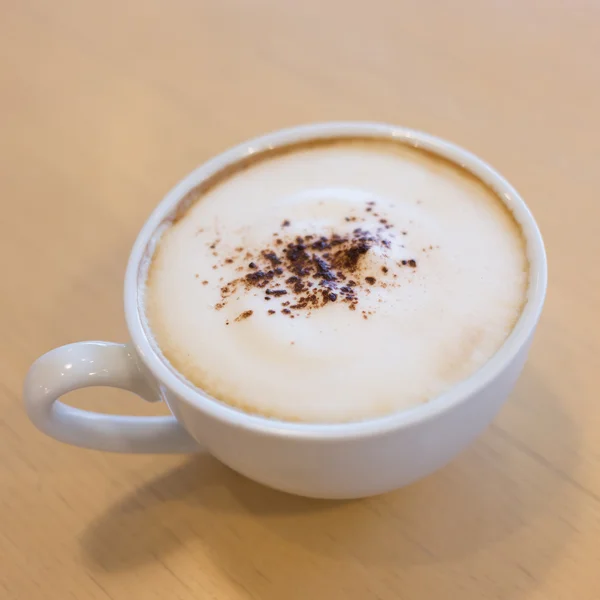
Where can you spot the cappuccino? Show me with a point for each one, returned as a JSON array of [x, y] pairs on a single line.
[[335, 281]]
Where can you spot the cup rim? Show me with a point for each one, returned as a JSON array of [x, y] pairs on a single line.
[[404, 418]]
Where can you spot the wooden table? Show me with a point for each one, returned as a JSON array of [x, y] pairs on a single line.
[[104, 105]]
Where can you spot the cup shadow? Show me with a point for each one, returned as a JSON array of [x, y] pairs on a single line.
[[479, 520]]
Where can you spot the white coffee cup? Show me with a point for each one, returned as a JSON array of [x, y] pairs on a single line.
[[345, 460]]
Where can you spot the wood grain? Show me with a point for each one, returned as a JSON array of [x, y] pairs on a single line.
[[105, 105]]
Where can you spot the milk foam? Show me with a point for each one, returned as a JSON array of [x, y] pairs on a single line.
[[436, 293]]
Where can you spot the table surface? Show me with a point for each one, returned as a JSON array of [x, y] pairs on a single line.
[[104, 105]]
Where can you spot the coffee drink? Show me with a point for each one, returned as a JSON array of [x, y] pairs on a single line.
[[335, 281]]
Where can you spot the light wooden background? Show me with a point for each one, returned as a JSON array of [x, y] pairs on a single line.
[[105, 105]]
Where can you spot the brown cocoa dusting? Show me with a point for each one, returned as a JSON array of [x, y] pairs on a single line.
[[412, 263], [313, 270], [205, 282], [271, 312], [244, 315], [271, 257], [258, 276]]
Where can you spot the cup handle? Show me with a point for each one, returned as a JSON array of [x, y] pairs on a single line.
[[88, 364]]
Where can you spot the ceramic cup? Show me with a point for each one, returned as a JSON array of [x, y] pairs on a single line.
[[345, 460]]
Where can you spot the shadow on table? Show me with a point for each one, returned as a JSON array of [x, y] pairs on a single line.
[[490, 520]]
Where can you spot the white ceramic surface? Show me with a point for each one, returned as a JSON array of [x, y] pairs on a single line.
[[326, 461]]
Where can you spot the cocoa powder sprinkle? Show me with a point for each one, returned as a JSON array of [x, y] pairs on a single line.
[[313, 270], [244, 315]]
